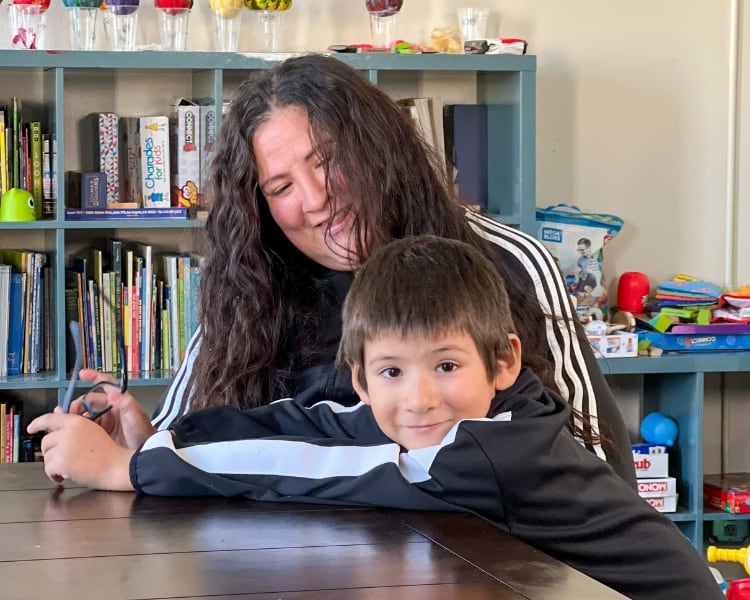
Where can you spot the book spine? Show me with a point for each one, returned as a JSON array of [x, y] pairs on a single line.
[[16, 142], [86, 214], [3, 409], [4, 184], [17, 425], [8, 424], [185, 152], [207, 139], [188, 303], [36, 167], [165, 334], [155, 181], [130, 162], [109, 156]]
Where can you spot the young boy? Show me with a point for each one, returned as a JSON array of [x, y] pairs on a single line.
[[448, 420]]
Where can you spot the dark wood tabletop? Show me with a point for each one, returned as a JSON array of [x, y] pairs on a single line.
[[71, 543]]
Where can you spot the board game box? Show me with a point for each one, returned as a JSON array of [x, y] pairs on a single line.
[[729, 492]]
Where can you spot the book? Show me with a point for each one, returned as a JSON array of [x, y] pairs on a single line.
[[36, 167], [4, 180], [466, 149], [208, 139], [155, 179], [16, 327], [4, 317], [115, 258], [86, 189], [184, 151], [420, 111], [48, 197], [109, 155], [145, 251], [129, 152], [80, 214]]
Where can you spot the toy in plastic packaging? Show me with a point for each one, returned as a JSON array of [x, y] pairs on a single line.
[[576, 240]]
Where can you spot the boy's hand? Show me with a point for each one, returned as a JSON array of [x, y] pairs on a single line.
[[78, 449], [127, 423]]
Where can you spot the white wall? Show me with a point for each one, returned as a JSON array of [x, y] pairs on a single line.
[[632, 111]]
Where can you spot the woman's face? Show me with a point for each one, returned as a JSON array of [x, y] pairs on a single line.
[[292, 178]]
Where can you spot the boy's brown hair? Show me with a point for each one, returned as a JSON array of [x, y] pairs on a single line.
[[427, 285]]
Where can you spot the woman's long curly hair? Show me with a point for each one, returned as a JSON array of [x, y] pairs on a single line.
[[257, 289]]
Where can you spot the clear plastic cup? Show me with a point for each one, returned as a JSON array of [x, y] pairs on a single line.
[[472, 22], [271, 30], [383, 21], [28, 26], [122, 24], [173, 28], [227, 30], [122, 31], [82, 28]]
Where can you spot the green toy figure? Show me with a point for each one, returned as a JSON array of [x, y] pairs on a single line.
[[17, 205]]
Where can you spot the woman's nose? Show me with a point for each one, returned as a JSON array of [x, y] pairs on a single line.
[[315, 197]]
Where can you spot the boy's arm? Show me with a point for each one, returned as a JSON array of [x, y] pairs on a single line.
[[553, 494], [79, 449], [330, 454]]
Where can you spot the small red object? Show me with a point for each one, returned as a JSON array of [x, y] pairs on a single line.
[[632, 292], [739, 589], [43, 3]]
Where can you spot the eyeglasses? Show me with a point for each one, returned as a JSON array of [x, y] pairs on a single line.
[[95, 400]]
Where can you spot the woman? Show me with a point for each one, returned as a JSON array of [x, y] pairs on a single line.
[[314, 169]]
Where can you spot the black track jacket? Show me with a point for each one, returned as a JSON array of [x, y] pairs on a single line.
[[520, 467]]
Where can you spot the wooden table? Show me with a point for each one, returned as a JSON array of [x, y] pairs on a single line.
[[71, 543]]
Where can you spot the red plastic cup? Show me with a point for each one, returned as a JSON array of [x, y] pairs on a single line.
[[632, 292]]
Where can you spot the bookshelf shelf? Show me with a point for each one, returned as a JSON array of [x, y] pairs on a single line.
[[135, 224], [675, 385]]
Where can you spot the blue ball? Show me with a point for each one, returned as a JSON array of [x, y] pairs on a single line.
[[657, 428]]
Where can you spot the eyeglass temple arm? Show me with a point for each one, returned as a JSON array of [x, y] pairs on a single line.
[[75, 331]]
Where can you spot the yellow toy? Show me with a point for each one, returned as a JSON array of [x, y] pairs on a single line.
[[739, 555]]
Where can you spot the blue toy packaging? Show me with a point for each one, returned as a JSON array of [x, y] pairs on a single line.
[[576, 240]]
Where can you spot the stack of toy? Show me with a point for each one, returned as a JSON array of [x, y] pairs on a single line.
[[651, 461]]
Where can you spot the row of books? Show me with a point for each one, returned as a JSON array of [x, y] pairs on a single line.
[[26, 307], [128, 291], [147, 162], [27, 158], [11, 433]]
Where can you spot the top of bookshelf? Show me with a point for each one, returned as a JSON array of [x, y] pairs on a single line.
[[49, 59], [687, 362]]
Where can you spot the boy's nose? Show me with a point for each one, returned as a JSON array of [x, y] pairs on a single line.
[[425, 396]]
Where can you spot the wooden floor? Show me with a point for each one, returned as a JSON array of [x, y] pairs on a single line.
[[76, 544]]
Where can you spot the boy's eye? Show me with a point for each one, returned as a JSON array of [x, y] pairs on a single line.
[[390, 372], [447, 367]]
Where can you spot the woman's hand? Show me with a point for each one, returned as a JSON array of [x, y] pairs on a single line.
[[127, 423], [78, 449]]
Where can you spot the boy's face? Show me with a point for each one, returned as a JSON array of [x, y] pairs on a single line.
[[419, 387]]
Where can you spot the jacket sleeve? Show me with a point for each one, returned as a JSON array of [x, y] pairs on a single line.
[[176, 400], [553, 494], [284, 451]]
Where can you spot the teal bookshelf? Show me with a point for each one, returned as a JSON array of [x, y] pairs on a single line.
[[675, 384], [60, 88]]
